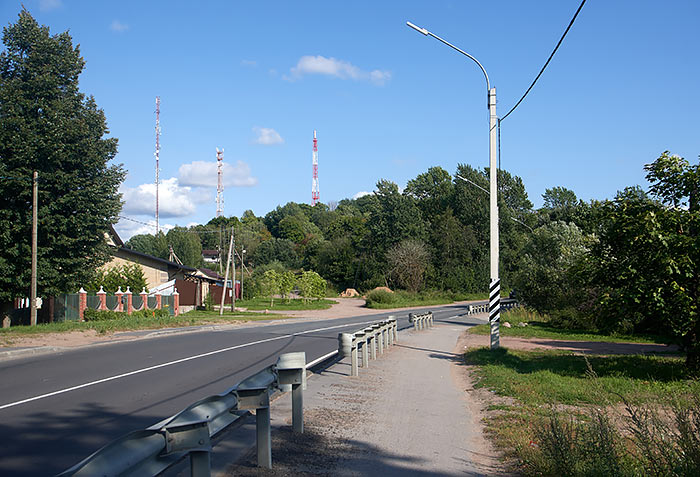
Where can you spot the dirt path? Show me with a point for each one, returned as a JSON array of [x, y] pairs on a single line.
[[471, 340]]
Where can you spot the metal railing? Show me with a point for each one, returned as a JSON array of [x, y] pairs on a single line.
[[421, 321], [370, 341], [506, 304], [150, 451]]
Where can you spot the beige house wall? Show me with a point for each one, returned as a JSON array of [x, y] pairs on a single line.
[[154, 275]]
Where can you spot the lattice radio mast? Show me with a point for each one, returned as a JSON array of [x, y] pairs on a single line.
[[157, 154], [314, 183], [220, 182]]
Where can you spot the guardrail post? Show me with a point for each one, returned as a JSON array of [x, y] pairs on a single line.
[[344, 344], [353, 358], [373, 343], [365, 349], [395, 329], [262, 433], [380, 339], [200, 464], [430, 319], [291, 371], [390, 329], [361, 339], [413, 319]]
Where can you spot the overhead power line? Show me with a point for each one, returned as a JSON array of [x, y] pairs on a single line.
[[170, 226], [571, 23]]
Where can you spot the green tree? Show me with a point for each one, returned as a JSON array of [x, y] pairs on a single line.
[[112, 278], [408, 260], [270, 285], [547, 279], [287, 280], [155, 245], [646, 264], [186, 246], [48, 125], [311, 285], [275, 249]]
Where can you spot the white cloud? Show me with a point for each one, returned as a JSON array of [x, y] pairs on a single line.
[[48, 5], [204, 174], [128, 228], [249, 63], [267, 136], [118, 26], [361, 194], [320, 65], [174, 200]]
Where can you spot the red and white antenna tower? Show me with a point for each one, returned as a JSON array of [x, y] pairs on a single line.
[[220, 182], [157, 154], [314, 183]]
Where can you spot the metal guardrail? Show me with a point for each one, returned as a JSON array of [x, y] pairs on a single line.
[[421, 321], [506, 304], [371, 340], [150, 451]]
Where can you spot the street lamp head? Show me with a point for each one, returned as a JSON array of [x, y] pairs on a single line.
[[418, 29]]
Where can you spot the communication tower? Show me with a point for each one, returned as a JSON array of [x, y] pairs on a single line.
[[220, 182], [157, 154], [314, 183]]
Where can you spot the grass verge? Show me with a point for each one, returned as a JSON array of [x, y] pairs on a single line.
[[283, 304], [540, 327], [563, 414], [128, 323], [381, 299]]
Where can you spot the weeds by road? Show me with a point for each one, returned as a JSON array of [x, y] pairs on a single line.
[[537, 326], [562, 414], [382, 299]]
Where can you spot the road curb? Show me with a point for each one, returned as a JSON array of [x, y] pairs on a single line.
[[17, 353]]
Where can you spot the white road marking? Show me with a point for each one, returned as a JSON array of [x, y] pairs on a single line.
[[170, 363]]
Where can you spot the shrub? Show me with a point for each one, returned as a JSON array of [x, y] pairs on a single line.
[[108, 315], [381, 296]]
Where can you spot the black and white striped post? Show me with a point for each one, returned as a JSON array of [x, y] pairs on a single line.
[[495, 312]]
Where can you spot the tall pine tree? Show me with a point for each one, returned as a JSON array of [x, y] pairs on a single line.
[[48, 125]]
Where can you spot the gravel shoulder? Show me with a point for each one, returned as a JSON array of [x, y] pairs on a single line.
[[406, 415]]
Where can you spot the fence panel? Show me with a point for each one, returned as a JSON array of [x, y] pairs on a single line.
[[93, 301], [168, 302], [67, 307], [136, 302]]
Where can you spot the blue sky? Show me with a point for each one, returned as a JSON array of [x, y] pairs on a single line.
[[256, 78]]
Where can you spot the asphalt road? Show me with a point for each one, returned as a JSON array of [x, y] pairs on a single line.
[[57, 408]]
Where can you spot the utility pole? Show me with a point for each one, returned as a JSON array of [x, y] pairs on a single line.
[[32, 293], [495, 285], [228, 262], [233, 262]]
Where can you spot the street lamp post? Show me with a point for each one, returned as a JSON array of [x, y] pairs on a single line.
[[495, 283]]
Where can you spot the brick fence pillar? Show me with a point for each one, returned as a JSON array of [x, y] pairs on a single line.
[[144, 299], [159, 301], [129, 306], [82, 303], [102, 295], [176, 302], [119, 294]]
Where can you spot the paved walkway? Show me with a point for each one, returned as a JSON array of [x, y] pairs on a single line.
[[406, 415]]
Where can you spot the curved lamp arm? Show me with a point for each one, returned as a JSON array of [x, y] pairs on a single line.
[[427, 33]]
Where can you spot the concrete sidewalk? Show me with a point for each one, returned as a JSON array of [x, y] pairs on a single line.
[[408, 414]]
